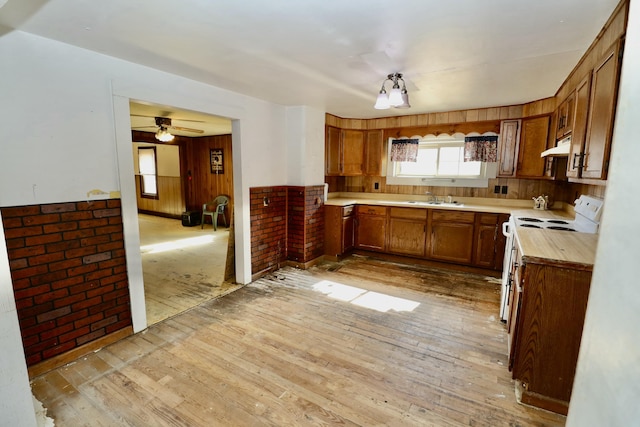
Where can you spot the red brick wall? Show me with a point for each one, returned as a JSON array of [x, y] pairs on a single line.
[[291, 227], [314, 222], [268, 228], [296, 223], [69, 274]]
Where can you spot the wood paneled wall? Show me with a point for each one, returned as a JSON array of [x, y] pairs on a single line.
[[492, 114], [170, 201], [196, 184], [201, 185]]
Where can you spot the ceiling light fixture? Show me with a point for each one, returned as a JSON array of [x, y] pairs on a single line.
[[397, 98], [164, 135]]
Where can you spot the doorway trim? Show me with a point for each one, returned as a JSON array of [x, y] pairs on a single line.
[[129, 202]]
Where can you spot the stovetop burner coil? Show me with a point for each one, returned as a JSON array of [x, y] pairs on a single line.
[[527, 219]]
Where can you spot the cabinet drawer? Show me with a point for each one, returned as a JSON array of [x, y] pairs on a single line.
[[487, 219], [453, 216], [347, 210], [371, 210], [409, 213]]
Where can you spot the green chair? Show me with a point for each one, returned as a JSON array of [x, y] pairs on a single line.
[[219, 204]]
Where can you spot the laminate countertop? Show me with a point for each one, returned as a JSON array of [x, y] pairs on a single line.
[[470, 204]]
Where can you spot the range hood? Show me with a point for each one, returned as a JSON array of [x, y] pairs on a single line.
[[561, 149]]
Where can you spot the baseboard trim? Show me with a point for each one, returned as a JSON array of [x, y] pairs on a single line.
[[71, 355]]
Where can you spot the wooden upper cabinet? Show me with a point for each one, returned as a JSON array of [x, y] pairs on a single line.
[[565, 116], [582, 94], [352, 151], [373, 153], [344, 151], [533, 141], [602, 108], [333, 151], [508, 147]]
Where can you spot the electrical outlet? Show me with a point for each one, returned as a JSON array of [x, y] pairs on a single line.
[[496, 189], [376, 185], [505, 189]]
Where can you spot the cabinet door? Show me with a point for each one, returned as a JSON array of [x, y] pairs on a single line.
[[601, 116], [508, 149], [486, 234], [451, 242], [565, 116], [373, 153], [533, 141], [451, 237], [347, 233], [333, 230], [371, 227], [407, 231], [333, 152], [352, 152], [579, 127]]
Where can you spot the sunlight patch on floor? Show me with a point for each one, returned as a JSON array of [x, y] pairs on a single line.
[[363, 298], [177, 244]]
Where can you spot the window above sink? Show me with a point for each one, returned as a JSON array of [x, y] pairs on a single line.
[[440, 162]]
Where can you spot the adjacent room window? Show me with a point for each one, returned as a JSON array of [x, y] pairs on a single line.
[[440, 162], [148, 175]]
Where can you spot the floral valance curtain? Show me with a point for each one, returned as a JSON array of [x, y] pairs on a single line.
[[404, 150], [481, 149]]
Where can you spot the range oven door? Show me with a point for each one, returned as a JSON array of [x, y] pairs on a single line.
[[507, 279]]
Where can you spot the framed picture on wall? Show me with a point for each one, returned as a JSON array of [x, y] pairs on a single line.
[[217, 160]]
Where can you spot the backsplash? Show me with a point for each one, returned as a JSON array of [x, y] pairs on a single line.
[[515, 188]]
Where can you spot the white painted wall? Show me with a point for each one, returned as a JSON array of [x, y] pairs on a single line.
[[67, 132], [606, 391], [305, 142]]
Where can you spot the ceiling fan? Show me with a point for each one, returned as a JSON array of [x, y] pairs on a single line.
[[164, 123]]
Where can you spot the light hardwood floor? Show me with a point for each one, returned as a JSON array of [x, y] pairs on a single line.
[[360, 342], [182, 266]]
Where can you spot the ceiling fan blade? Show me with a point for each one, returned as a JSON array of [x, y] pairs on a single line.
[[186, 129], [144, 127], [167, 118]]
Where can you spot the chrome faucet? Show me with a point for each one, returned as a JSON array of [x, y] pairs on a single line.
[[431, 198]]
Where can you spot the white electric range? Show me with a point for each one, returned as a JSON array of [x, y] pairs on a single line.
[[588, 212]]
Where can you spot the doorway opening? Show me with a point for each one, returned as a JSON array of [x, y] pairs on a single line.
[[184, 262]]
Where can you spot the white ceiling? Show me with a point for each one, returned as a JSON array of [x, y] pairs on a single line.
[[334, 54]]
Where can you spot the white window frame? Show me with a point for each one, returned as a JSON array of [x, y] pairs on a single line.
[[487, 170], [148, 167]]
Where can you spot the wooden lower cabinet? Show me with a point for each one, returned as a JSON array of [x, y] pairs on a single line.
[[407, 231], [488, 251], [545, 330], [467, 238], [451, 236], [339, 229], [371, 227]]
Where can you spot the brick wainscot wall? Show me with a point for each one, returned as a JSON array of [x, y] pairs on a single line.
[[287, 225], [69, 274]]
